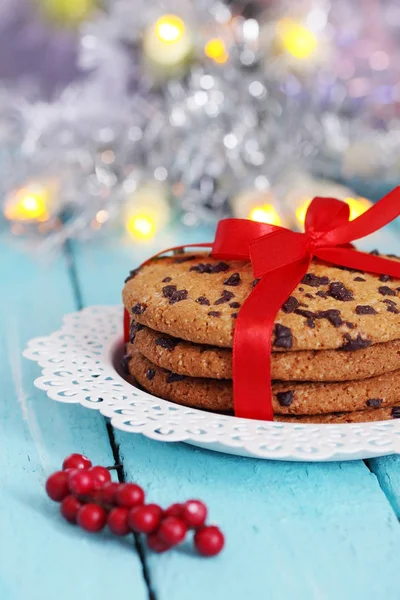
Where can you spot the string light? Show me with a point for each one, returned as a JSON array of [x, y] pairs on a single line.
[[167, 46], [265, 214], [147, 211], [30, 203], [169, 29], [296, 39], [141, 226], [302, 210], [357, 206], [216, 50]]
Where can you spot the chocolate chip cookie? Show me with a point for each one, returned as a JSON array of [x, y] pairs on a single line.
[[197, 298]]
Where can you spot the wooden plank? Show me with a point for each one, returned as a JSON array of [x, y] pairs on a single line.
[[294, 530], [387, 470], [41, 556]]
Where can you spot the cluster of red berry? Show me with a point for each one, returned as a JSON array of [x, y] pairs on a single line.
[[89, 498]]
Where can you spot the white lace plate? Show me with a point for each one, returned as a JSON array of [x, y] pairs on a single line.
[[79, 365]]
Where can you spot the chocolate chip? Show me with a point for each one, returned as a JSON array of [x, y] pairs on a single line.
[[203, 300], [132, 274], [168, 290], [365, 310], [285, 398], [393, 256], [255, 281], [168, 343], [220, 267], [214, 313], [385, 278], [375, 253], [322, 294], [314, 281], [332, 315], [234, 279], [125, 363], [225, 297], [182, 259], [150, 373], [234, 315], [340, 292], [167, 279], [395, 412], [134, 328], [139, 308], [391, 306], [283, 337], [386, 291], [290, 305], [352, 344], [178, 296], [310, 323], [374, 402], [359, 279], [309, 296], [349, 324], [305, 313], [301, 289], [209, 268], [235, 305], [175, 377]]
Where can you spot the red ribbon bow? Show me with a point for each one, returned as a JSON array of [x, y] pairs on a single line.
[[280, 258]]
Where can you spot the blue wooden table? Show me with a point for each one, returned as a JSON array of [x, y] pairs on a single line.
[[293, 530]]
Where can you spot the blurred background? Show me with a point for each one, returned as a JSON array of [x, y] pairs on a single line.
[[130, 116]]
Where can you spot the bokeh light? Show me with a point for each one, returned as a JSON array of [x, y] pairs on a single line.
[[169, 29], [265, 214], [216, 50], [296, 39]]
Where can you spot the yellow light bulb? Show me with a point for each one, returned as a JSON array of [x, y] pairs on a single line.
[[265, 214], [169, 29], [141, 226], [357, 206], [215, 49], [296, 39], [302, 210], [27, 205]]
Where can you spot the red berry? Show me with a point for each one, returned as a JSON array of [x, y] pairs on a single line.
[[69, 508], [80, 482], [100, 476], [108, 494], [194, 513], [118, 521], [57, 486], [129, 495], [92, 517], [172, 530], [209, 540], [156, 544], [145, 519], [175, 510], [77, 461]]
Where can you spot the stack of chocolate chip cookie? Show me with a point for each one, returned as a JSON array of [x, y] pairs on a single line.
[[336, 343]]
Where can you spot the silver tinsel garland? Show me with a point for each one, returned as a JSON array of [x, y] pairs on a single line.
[[212, 132]]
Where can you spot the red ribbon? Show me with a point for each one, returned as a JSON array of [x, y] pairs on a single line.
[[281, 258]]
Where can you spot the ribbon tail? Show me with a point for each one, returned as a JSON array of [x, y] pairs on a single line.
[[361, 261], [253, 340]]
